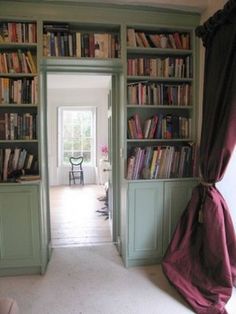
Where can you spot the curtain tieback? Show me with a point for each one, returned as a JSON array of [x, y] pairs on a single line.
[[206, 184]]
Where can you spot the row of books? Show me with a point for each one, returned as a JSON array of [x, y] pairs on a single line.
[[162, 162], [160, 67], [19, 91], [18, 32], [159, 127], [175, 40], [12, 161], [17, 62], [18, 126], [77, 44], [159, 94]]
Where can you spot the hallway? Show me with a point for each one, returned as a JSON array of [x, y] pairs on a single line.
[[74, 220]]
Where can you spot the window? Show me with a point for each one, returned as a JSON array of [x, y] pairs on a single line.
[[77, 134]]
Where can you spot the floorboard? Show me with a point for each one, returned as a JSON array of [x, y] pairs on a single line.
[[74, 219]]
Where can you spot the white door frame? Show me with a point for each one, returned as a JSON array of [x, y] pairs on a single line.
[[83, 67]]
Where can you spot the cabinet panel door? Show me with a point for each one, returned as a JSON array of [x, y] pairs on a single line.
[[145, 220], [177, 196], [19, 231]]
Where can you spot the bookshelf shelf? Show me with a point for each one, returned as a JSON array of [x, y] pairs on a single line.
[[18, 141], [14, 45], [163, 180], [15, 75], [147, 140], [12, 105], [157, 78], [159, 51], [137, 106]]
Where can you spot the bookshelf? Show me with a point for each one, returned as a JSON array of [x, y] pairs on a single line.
[[18, 99], [160, 112], [146, 210], [80, 41]]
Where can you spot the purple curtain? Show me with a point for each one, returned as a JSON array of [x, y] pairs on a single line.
[[201, 258]]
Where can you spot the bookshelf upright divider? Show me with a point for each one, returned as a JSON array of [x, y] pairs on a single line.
[[18, 99]]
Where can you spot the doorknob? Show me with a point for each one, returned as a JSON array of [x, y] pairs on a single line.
[[104, 170]]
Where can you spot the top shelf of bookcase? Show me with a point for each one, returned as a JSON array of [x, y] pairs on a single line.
[[158, 51]]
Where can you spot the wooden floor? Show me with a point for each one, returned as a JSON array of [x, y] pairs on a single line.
[[74, 220]]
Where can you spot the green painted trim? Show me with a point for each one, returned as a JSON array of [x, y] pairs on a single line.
[[142, 262], [15, 271], [92, 14], [81, 65], [162, 180]]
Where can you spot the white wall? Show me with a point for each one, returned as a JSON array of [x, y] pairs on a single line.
[[227, 187], [80, 97]]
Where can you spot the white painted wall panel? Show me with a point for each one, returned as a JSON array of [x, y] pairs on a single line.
[[75, 97]]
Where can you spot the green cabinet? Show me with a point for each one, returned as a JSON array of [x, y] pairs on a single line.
[[145, 221], [176, 197], [153, 209], [19, 229]]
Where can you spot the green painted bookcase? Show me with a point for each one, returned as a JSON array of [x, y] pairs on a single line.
[[146, 210]]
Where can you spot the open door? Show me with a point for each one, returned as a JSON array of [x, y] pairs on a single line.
[[109, 163], [112, 162]]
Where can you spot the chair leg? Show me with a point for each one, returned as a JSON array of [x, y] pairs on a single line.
[[82, 178], [73, 175]]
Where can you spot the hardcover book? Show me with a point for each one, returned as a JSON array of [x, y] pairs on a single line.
[[101, 46]]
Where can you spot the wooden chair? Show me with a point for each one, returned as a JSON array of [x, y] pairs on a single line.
[[76, 171]]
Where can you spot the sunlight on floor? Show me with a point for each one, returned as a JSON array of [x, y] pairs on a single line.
[[74, 220]]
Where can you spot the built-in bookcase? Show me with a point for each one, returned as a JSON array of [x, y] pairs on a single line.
[[18, 99], [80, 41], [160, 104]]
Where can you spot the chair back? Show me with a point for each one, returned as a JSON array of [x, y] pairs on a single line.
[[76, 163]]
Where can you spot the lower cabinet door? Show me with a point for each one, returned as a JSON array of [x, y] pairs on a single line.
[[177, 195], [19, 226], [145, 219]]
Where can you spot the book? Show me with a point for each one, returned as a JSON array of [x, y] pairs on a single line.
[[156, 40], [131, 40], [130, 167], [1, 163], [28, 177], [139, 131], [32, 62], [144, 39], [177, 39], [101, 45], [15, 158], [7, 153], [153, 164], [139, 40]]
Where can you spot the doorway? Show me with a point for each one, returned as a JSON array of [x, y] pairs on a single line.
[[77, 114]]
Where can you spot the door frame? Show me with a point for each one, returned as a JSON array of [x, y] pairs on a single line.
[[93, 67]]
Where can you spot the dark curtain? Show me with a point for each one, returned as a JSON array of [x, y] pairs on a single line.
[[201, 258]]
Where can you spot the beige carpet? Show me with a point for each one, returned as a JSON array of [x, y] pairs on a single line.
[[92, 280]]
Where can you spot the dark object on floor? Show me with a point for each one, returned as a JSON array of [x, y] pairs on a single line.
[[8, 306], [104, 210], [76, 171]]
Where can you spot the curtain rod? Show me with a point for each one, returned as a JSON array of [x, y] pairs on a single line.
[[220, 17]]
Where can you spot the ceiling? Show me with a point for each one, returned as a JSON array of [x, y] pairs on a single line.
[[78, 81], [189, 5]]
